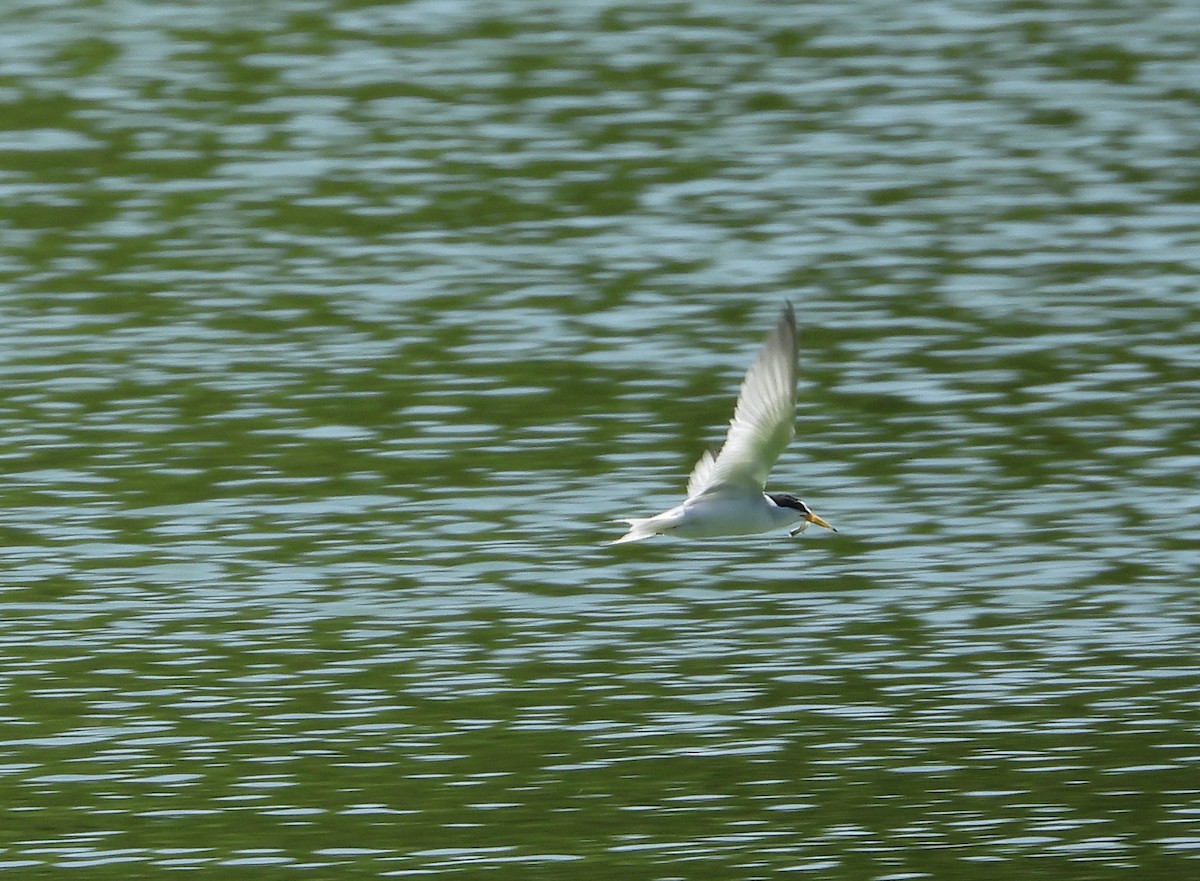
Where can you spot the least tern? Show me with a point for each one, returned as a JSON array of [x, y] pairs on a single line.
[[725, 492]]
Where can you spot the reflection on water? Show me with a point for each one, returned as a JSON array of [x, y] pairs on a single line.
[[334, 336]]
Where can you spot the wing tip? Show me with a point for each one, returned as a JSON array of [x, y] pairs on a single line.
[[787, 318]]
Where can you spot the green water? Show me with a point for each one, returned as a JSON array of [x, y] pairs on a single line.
[[333, 337]]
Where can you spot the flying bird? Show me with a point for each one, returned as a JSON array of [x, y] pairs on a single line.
[[725, 492]]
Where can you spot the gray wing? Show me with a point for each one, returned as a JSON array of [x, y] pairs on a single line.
[[764, 421]]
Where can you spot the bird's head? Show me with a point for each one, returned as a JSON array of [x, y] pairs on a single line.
[[787, 500]]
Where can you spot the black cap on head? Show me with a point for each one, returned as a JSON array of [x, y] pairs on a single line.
[[787, 500]]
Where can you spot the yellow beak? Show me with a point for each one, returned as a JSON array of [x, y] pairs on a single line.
[[820, 521]]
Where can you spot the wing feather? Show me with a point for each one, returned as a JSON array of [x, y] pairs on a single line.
[[700, 474], [764, 420]]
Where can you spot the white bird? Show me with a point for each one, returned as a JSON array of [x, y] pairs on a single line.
[[725, 492]]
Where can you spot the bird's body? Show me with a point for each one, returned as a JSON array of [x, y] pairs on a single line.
[[725, 492], [710, 516]]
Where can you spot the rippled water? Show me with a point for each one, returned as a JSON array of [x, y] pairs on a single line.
[[334, 335]]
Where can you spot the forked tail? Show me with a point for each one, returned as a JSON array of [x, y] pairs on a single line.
[[639, 528]]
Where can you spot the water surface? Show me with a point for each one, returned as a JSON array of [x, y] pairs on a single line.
[[334, 335]]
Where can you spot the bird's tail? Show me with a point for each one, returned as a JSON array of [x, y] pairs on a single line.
[[639, 528]]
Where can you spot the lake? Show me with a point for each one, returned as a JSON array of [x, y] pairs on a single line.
[[334, 336]]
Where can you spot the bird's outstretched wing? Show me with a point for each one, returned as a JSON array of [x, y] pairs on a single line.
[[698, 479], [763, 422]]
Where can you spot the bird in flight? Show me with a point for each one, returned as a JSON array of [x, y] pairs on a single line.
[[725, 492]]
